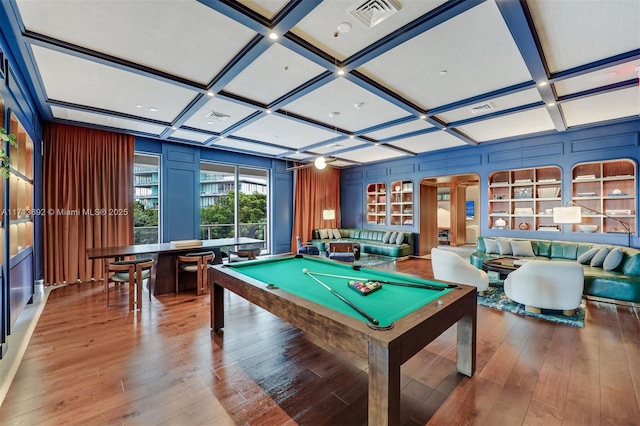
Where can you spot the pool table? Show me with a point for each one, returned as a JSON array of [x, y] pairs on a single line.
[[408, 318]]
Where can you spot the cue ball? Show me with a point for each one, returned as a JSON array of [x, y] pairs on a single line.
[[304, 270]]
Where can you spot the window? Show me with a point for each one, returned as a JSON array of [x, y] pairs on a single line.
[[146, 199], [233, 202]]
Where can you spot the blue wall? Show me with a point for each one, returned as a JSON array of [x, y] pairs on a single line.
[[560, 149]]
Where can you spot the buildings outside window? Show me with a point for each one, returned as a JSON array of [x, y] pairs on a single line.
[[146, 199]]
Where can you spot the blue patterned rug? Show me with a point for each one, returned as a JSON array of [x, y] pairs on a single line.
[[496, 299]]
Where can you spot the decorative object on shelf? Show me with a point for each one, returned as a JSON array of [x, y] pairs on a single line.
[[501, 222], [524, 226], [522, 193], [588, 228], [4, 158], [552, 192]]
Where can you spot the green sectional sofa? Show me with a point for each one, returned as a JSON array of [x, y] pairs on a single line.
[[371, 241], [620, 283]]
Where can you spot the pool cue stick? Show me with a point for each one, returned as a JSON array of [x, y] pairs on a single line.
[[425, 286], [371, 319]]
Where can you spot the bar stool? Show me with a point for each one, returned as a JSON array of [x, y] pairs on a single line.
[[133, 272], [199, 263]]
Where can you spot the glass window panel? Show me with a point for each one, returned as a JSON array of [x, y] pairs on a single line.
[[146, 199]]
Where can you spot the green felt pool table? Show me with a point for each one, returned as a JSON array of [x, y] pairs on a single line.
[[408, 318]]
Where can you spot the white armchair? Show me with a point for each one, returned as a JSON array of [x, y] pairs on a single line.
[[448, 266], [546, 285]]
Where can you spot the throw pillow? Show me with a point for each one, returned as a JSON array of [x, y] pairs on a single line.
[[613, 259], [336, 234], [491, 246], [598, 259], [385, 238], [585, 258], [522, 248], [323, 234], [399, 238], [504, 245], [392, 238]]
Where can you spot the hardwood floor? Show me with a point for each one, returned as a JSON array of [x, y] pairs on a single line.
[[91, 365]]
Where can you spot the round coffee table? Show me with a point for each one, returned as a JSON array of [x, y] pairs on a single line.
[[502, 265]]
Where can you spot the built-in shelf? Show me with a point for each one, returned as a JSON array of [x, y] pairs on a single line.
[[524, 199], [401, 203], [608, 187], [20, 191], [377, 203]]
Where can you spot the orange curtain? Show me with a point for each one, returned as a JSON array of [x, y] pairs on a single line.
[[88, 197], [314, 191]]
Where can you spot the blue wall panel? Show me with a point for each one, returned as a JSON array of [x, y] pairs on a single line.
[[180, 192], [281, 208]]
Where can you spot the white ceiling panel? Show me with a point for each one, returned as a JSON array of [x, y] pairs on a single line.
[[249, 146], [79, 81], [334, 148], [107, 121], [400, 129], [284, 132], [183, 38], [494, 105], [340, 95], [321, 24], [604, 77], [608, 106], [574, 33], [217, 108], [190, 136], [521, 123], [428, 142], [474, 49], [275, 73], [371, 154]]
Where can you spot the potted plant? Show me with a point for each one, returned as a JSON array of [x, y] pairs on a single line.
[[4, 158]]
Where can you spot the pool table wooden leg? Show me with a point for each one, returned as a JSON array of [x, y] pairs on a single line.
[[466, 346], [384, 386], [217, 307]]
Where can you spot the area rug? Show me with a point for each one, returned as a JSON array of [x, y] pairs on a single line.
[[496, 299], [367, 259]]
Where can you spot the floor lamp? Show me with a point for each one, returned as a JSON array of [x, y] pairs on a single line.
[[572, 213]]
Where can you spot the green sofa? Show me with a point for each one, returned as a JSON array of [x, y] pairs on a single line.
[[622, 283], [370, 241]]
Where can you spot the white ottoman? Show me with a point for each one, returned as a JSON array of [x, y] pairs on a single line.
[[546, 285]]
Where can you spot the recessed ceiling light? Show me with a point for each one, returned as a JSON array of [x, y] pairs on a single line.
[[152, 109], [344, 27], [211, 122], [442, 72], [550, 104], [138, 106], [273, 36], [358, 105], [351, 137], [268, 111], [173, 127], [542, 84], [209, 93], [422, 116], [340, 71]]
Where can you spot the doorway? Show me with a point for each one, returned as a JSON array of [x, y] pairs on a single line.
[[449, 211]]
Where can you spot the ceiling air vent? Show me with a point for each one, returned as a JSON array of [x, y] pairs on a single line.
[[482, 108], [371, 12], [217, 116]]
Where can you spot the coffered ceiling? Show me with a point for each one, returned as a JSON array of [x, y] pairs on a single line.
[[433, 75]]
